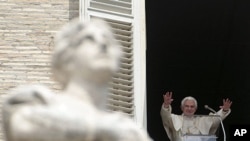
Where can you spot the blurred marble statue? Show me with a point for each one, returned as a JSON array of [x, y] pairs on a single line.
[[85, 57]]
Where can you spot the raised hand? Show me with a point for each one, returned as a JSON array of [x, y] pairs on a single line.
[[167, 99], [226, 104]]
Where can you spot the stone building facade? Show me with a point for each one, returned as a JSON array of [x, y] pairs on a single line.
[[27, 30]]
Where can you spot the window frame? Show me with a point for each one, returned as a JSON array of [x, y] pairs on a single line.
[[139, 52]]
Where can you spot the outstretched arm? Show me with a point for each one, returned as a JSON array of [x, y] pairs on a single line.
[[226, 105], [167, 117], [225, 108], [167, 99], [223, 113], [166, 111]]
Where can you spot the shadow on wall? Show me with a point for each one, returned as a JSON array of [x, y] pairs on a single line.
[[73, 9]]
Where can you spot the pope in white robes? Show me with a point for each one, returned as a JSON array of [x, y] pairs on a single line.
[[177, 126]]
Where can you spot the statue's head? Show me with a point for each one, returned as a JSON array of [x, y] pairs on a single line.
[[86, 50]]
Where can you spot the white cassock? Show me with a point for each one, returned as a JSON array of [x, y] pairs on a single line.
[[178, 125]]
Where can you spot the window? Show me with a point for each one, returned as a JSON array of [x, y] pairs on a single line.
[[128, 87]]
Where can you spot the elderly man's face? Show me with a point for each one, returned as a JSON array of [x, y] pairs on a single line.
[[189, 108]]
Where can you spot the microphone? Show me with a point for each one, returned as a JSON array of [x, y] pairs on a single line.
[[212, 110]]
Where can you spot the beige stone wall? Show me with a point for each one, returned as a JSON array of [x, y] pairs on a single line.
[[27, 30]]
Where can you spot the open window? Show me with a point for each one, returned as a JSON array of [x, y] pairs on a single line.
[[128, 87]]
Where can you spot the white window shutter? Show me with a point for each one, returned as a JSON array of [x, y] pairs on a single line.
[[125, 21], [121, 96], [116, 6]]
